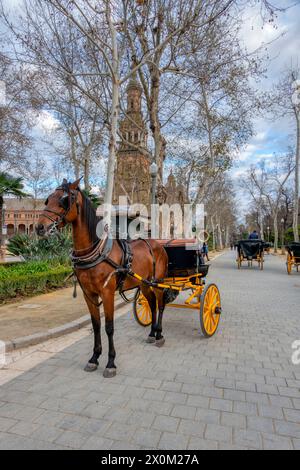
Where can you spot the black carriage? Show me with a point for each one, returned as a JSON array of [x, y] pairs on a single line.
[[250, 251], [293, 257], [186, 272]]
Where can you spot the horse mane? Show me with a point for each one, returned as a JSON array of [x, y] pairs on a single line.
[[90, 217]]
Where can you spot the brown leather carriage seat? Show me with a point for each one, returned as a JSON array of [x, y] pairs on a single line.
[[184, 257], [178, 242]]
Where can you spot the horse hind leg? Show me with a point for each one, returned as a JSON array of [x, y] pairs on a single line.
[[93, 363], [151, 298]]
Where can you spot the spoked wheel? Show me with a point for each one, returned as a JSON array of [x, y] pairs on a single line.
[[289, 265], [210, 310], [141, 309]]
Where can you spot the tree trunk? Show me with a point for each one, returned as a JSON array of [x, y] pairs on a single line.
[[227, 237], [296, 201], [220, 236], [261, 221], [74, 156], [213, 233], [87, 158], [275, 233], [114, 119], [159, 140], [209, 130]]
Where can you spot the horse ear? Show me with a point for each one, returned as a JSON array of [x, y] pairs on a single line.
[[76, 183]]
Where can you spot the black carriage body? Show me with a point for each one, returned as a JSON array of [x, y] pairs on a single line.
[[251, 249], [294, 250], [185, 260]]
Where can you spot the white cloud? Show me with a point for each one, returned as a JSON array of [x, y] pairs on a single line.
[[46, 122]]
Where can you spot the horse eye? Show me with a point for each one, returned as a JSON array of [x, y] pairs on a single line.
[[64, 201], [46, 202]]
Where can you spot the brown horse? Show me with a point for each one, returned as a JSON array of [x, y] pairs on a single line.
[[68, 205]]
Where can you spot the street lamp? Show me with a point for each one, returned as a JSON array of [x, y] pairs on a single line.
[[282, 237], [268, 228], [153, 173]]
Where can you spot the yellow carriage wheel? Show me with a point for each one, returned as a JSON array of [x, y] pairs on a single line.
[[210, 310], [141, 310], [289, 264]]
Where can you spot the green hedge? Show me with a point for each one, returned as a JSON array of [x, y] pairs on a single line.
[[31, 278]]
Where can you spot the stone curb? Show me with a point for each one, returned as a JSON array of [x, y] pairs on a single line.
[[56, 332], [32, 340]]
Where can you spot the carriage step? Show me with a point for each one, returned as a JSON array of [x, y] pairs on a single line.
[[218, 311]]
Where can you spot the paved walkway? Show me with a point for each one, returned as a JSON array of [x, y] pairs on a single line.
[[238, 389], [39, 314]]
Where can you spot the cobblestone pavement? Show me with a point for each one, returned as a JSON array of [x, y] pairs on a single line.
[[238, 389]]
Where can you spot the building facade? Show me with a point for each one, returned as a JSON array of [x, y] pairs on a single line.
[[21, 215], [132, 174]]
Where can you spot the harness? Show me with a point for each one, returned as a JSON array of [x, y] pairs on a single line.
[[100, 254], [100, 250]]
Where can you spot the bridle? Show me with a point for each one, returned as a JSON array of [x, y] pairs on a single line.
[[68, 199]]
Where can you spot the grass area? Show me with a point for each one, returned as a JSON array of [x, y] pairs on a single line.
[[31, 278]]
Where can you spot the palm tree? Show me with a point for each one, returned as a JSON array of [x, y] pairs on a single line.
[[9, 186]]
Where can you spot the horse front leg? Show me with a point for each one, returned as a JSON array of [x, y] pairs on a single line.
[[96, 322], [160, 340], [108, 304]]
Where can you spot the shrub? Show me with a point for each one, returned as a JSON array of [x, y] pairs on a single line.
[[32, 248], [289, 235], [26, 279]]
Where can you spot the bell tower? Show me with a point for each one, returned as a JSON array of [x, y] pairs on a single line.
[[132, 175]]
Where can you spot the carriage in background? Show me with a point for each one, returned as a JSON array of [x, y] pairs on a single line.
[[293, 258], [249, 251], [186, 272], [267, 247]]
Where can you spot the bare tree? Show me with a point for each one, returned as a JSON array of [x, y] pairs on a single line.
[[15, 123], [266, 185], [285, 101]]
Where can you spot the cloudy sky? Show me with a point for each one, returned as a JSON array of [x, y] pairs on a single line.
[[271, 135]]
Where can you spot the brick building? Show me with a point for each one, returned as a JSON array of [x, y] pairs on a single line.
[[21, 215], [132, 175]]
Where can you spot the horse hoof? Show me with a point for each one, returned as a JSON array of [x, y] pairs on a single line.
[[109, 373], [150, 339], [90, 367], [160, 342]]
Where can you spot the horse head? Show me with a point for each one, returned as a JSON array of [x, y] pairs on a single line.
[[61, 208]]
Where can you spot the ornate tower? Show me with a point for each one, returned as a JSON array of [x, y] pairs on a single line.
[[132, 176]]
